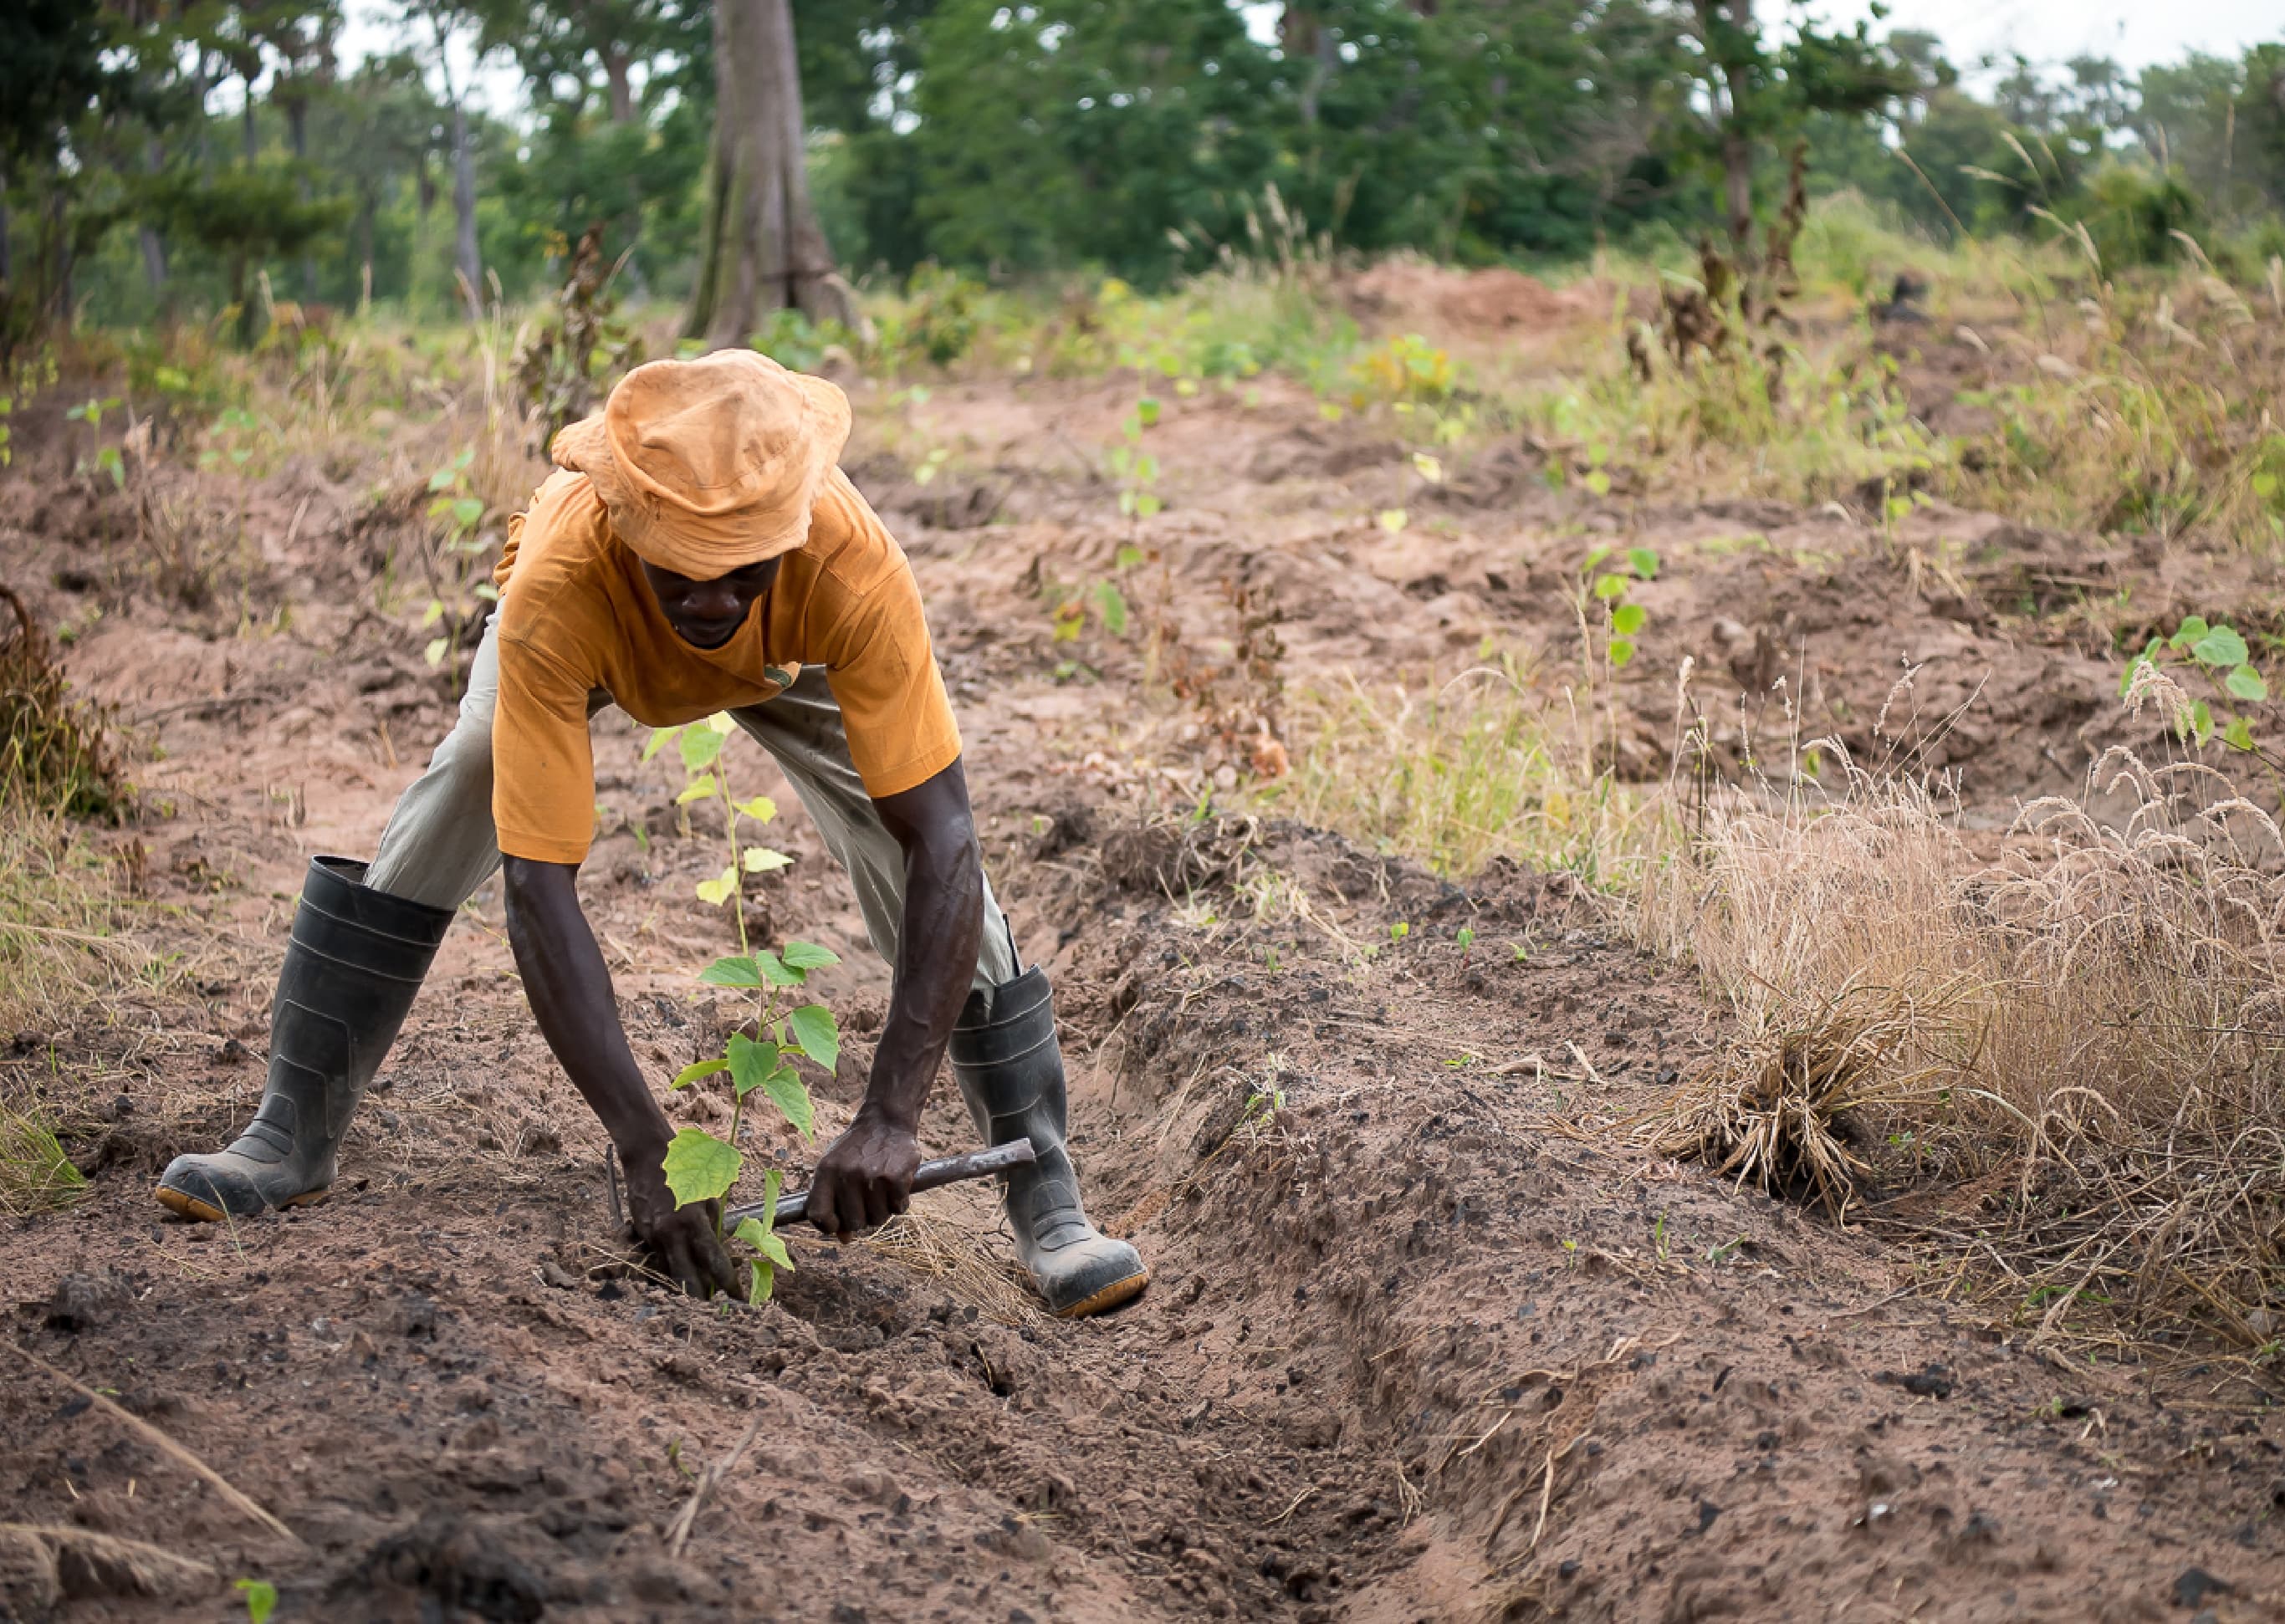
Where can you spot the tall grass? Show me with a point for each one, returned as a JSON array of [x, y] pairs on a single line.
[[2084, 1043], [1458, 771]]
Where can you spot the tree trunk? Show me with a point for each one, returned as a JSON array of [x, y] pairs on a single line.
[[297, 127], [253, 147], [154, 246], [1737, 144], [765, 250], [464, 214], [622, 95]]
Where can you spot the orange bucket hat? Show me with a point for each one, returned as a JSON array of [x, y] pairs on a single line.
[[709, 465]]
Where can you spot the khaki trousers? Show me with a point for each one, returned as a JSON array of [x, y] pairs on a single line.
[[441, 844]]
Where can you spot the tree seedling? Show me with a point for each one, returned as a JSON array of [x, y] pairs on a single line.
[[457, 510], [261, 1598], [700, 1166], [105, 458], [1622, 617], [2218, 656]]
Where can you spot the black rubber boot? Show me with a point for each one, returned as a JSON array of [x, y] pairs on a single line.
[[355, 960], [1011, 1074]]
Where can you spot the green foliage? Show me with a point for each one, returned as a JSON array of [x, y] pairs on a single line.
[[461, 594], [1622, 617], [2214, 658], [702, 1167], [261, 1598]]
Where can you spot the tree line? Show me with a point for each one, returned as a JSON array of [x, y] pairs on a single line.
[[171, 157]]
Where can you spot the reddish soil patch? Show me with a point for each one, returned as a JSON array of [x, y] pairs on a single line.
[[1414, 1350], [1402, 293]]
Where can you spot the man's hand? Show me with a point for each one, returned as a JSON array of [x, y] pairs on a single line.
[[570, 994], [865, 1177], [680, 1240]]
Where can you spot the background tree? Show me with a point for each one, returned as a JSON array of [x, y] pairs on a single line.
[[764, 249]]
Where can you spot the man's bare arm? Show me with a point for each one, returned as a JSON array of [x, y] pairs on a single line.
[[571, 992], [865, 1175]]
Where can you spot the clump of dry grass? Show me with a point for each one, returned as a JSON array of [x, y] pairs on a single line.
[[55, 751], [2080, 1046], [47, 1564]]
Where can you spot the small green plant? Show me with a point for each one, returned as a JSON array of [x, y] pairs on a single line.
[[1106, 598], [456, 603], [1406, 367], [1136, 469], [700, 1166], [2216, 657], [1622, 617], [100, 457], [261, 1598]]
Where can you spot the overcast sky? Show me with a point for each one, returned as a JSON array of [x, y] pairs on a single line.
[[2136, 33]]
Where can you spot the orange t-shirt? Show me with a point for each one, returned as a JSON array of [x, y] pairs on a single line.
[[576, 616]]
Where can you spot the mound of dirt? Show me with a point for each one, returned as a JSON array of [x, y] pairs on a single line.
[[1412, 293]]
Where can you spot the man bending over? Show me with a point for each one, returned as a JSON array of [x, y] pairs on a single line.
[[697, 550]]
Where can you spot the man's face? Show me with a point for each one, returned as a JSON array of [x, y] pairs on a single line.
[[708, 614]]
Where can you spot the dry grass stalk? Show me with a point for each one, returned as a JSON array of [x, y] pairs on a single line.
[[2090, 1029], [159, 1440], [950, 1253], [55, 1562]]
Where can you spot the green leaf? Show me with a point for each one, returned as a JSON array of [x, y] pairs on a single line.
[[2202, 722], [718, 891], [2190, 631], [1112, 604], [776, 973], [810, 956], [441, 479], [1128, 558], [434, 613], [752, 1062], [732, 972], [2220, 649], [1597, 481], [788, 1093], [1392, 519], [658, 737], [1146, 504], [1622, 651], [761, 809], [760, 1280], [698, 788], [467, 511], [1644, 562], [261, 1600], [1146, 410], [749, 1229], [699, 1166], [1627, 618], [700, 746], [2239, 735], [774, 1248], [2247, 683], [818, 1033], [487, 592], [697, 1069], [2265, 485], [1428, 467], [434, 653], [1610, 586], [761, 859]]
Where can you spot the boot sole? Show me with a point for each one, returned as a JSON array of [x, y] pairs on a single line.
[[190, 1207], [1109, 1297]]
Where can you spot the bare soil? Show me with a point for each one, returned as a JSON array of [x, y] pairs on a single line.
[[1416, 1349]]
